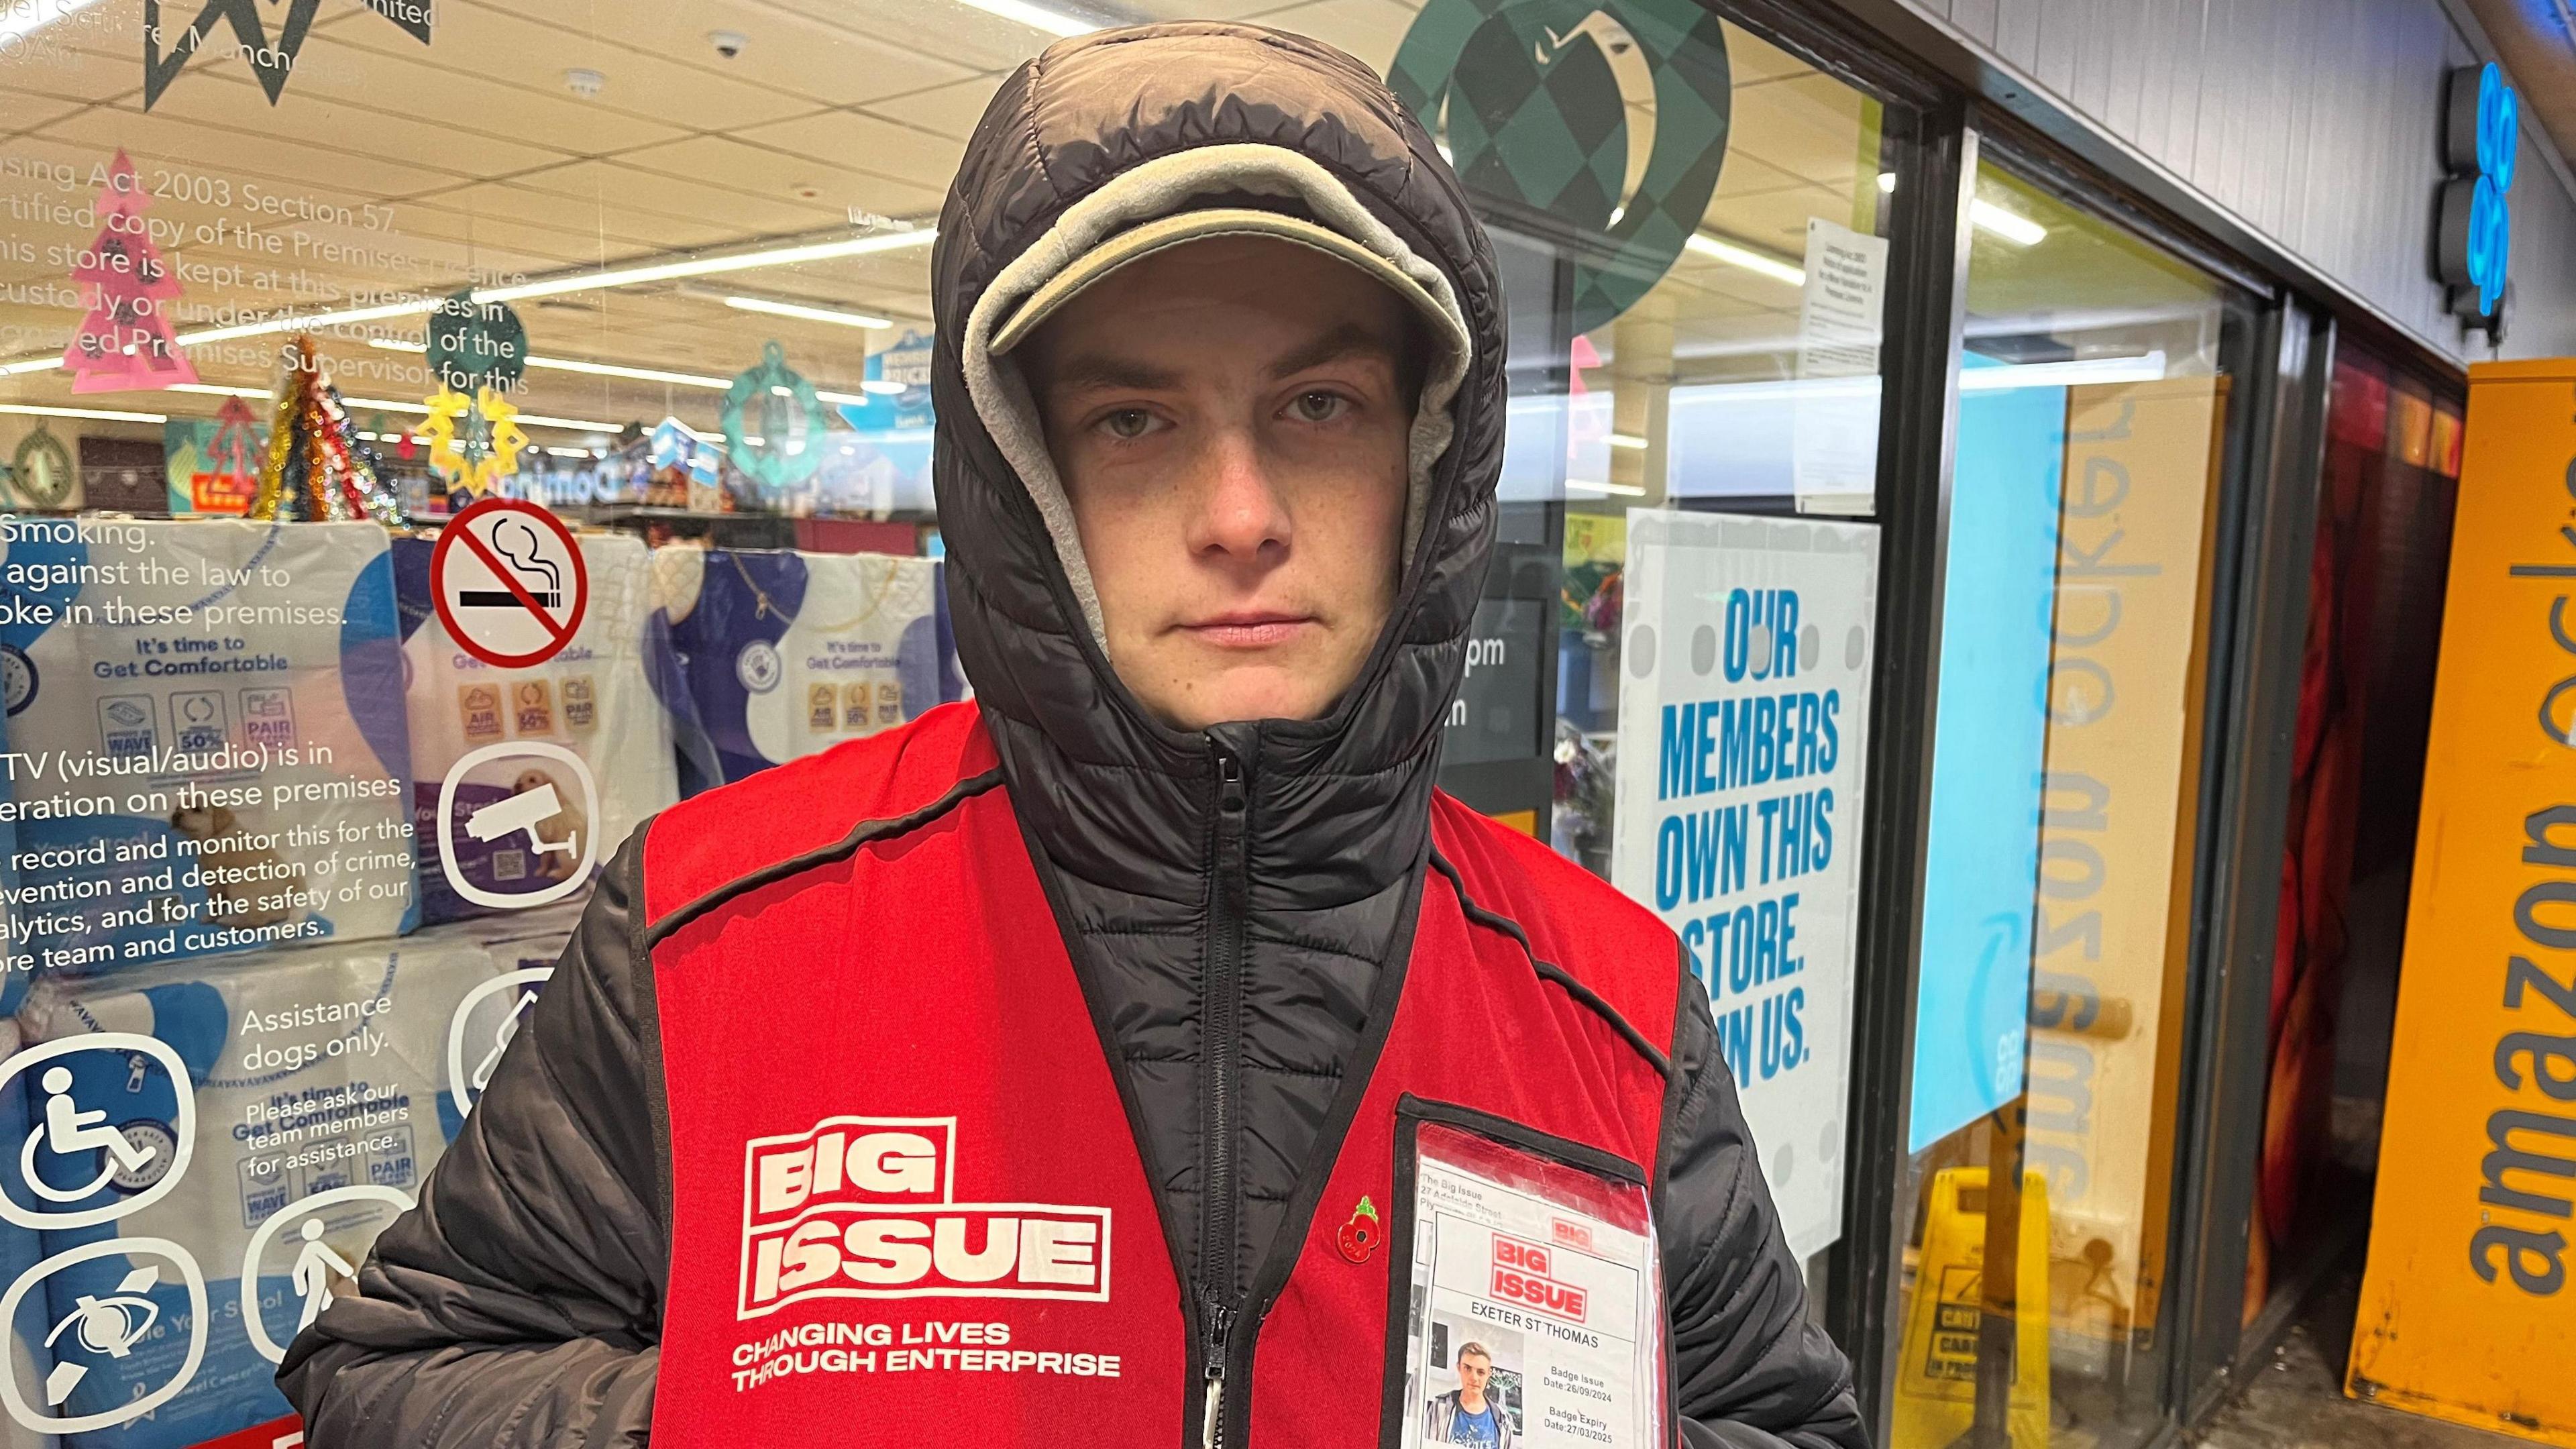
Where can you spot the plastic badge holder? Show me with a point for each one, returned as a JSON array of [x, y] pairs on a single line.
[[1549, 1268]]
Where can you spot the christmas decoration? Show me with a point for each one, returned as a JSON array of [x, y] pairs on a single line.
[[789, 444], [214, 463], [316, 469], [236, 448], [475, 345], [125, 344], [42, 473], [474, 441]]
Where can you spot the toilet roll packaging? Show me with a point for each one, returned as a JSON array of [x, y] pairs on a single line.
[[185, 1130], [521, 756], [779, 654], [206, 735]]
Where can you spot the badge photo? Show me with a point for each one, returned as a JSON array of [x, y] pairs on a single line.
[[1525, 1299]]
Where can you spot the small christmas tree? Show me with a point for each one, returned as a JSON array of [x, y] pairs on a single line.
[[234, 452], [125, 344], [316, 469]]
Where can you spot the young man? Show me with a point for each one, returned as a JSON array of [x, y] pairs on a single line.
[[1067, 1068], [1464, 1415]]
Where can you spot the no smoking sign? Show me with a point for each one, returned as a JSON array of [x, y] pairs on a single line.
[[509, 582]]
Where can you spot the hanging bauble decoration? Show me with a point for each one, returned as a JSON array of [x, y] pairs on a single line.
[[773, 422], [474, 345]]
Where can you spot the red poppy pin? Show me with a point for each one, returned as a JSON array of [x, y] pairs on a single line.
[[1361, 1235]]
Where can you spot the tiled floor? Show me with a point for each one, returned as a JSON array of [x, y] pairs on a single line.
[[2297, 1401]]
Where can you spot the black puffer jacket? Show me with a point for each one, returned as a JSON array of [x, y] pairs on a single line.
[[519, 1304]]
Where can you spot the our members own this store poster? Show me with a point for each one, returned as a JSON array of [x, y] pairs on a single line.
[[1743, 700]]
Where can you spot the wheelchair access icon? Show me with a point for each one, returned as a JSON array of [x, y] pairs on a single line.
[[145, 1157]]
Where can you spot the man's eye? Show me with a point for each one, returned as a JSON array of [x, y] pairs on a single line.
[[1320, 407], [1127, 423]]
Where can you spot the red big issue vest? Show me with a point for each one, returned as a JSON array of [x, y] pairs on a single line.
[[906, 1204]]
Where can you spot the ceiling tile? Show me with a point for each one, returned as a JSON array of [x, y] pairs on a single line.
[[760, 172], [949, 110], [867, 143]]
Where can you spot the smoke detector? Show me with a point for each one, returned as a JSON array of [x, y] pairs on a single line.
[[584, 82]]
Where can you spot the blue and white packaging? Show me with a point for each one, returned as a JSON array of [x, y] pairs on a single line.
[[202, 1152], [206, 743], [781, 654], [603, 733]]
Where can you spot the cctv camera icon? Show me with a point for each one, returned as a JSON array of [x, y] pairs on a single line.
[[523, 812]]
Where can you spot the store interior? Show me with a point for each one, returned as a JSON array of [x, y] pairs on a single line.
[[660, 267]]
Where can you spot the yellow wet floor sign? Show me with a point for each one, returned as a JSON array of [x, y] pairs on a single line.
[[1936, 1380]]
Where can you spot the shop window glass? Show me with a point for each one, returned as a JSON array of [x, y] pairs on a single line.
[[2094, 397], [308, 827], [1687, 556]]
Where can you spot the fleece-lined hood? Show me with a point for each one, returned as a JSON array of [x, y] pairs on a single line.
[[1097, 135]]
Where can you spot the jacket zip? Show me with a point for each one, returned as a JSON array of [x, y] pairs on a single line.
[[1221, 1030]]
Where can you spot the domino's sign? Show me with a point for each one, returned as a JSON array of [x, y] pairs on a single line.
[[2481, 135]]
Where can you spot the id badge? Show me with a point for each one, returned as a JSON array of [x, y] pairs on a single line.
[[1531, 1298]]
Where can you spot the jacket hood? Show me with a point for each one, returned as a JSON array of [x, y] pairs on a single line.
[[1104, 132]]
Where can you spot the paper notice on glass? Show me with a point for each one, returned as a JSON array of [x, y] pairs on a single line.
[[1537, 1316], [1835, 422]]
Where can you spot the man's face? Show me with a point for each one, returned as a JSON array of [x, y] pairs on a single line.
[[1474, 1372], [1230, 420]]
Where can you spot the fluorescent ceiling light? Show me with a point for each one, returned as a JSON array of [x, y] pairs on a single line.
[[554, 452], [305, 321], [1750, 260], [879, 385], [30, 18], [578, 425], [1037, 17], [2020, 230], [1626, 440], [592, 369], [211, 390], [102, 414], [810, 314], [709, 266], [1624, 490], [540, 420], [550, 287], [639, 374], [2149, 368], [2011, 226], [851, 399]]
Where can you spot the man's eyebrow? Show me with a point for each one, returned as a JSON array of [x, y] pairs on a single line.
[[1091, 370], [1351, 339]]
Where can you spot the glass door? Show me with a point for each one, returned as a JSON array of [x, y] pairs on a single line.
[[2034, 1219]]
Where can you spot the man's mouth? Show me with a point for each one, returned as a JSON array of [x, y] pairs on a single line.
[[1250, 628]]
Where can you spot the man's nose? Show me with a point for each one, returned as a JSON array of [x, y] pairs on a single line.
[[1240, 512]]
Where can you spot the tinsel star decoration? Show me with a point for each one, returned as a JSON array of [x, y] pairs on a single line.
[[474, 441]]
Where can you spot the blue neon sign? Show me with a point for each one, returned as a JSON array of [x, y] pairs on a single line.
[[2482, 136]]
